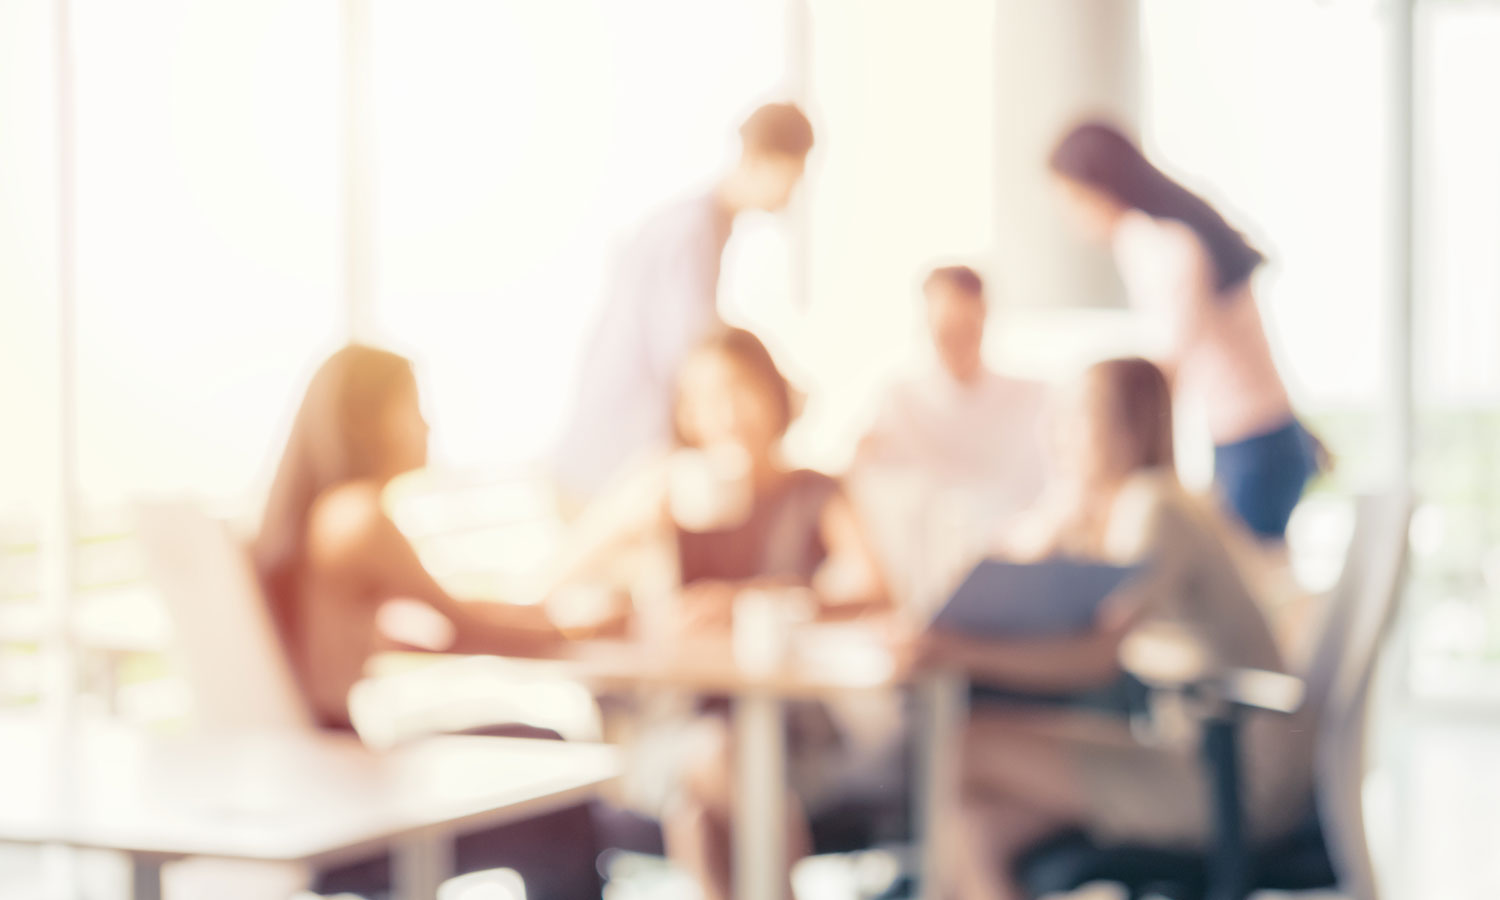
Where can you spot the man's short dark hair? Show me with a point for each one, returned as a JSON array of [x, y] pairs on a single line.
[[779, 128], [961, 278]]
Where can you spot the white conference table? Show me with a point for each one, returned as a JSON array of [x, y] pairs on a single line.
[[305, 798], [828, 661]]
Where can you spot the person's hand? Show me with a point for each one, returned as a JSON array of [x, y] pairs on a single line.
[[587, 612], [914, 650], [708, 606], [1119, 614]]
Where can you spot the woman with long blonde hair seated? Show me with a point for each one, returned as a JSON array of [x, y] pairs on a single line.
[[1030, 772], [329, 558]]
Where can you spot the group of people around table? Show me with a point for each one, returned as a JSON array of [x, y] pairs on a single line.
[[676, 442]]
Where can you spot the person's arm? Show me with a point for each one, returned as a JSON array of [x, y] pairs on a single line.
[[850, 582], [351, 532], [478, 626], [1040, 531], [1169, 277], [1191, 289], [627, 511], [1138, 530], [1059, 664]]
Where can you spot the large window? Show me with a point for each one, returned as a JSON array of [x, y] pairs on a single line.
[[1457, 566], [1280, 110], [205, 286], [515, 141], [512, 142], [208, 238], [1237, 101], [28, 332], [515, 144]]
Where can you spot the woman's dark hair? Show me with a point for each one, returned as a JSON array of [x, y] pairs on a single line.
[[779, 128], [1138, 404], [1101, 157], [963, 278], [747, 352]]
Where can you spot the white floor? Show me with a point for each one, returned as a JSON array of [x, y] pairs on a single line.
[[1434, 811]]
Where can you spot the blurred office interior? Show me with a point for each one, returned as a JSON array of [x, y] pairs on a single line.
[[200, 202]]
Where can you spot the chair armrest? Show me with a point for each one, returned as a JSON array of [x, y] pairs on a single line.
[[1259, 689], [1172, 661], [1226, 693]]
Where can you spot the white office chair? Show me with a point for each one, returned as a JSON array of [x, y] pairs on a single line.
[[233, 660], [1334, 689], [1342, 672], [223, 635]]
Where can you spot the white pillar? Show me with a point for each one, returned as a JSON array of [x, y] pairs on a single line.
[[798, 71], [61, 521], [1400, 411], [357, 144], [58, 658], [1401, 34], [760, 814], [1056, 62]]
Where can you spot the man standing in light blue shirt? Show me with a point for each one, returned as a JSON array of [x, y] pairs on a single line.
[[662, 299]]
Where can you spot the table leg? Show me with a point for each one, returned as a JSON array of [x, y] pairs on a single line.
[[944, 705], [760, 862], [420, 864], [145, 877]]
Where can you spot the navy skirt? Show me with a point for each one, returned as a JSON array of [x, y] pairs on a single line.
[[1262, 477]]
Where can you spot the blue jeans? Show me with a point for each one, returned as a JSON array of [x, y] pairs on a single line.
[[1263, 476]]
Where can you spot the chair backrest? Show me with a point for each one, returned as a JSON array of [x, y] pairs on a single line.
[[1340, 673], [223, 635]]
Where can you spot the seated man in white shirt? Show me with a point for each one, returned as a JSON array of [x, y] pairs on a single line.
[[968, 442]]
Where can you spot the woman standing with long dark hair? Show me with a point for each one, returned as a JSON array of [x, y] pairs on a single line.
[[1181, 260]]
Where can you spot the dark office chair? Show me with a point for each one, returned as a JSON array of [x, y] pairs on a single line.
[[1329, 848]]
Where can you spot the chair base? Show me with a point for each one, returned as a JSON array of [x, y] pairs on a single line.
[[1298, 861]]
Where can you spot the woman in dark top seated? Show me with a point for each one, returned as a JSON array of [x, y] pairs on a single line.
[[329, 558], [736, 518]]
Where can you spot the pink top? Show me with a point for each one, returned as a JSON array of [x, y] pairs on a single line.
[[1214, 345]]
